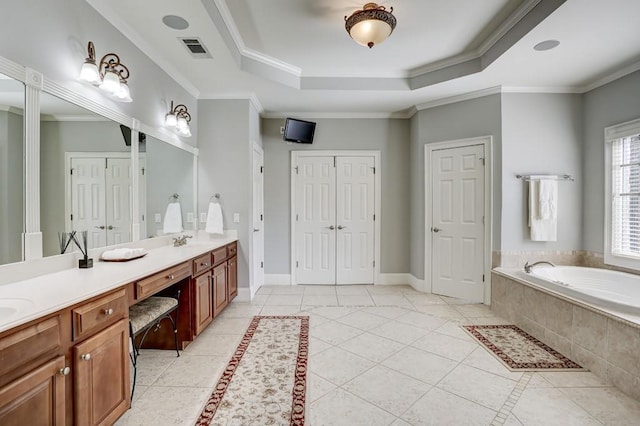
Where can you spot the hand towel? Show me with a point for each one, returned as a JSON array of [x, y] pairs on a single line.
[[123, 253], [548, 198], [214, 219], [172, 218], [540, 229]]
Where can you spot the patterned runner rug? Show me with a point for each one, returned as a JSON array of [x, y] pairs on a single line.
[[265, 380], [518, 350]]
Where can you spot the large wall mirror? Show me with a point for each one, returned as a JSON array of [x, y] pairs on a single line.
[[85, 176], [12, 214], [167, 170]]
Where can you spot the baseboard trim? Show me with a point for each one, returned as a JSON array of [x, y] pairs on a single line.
[[277, 279], [417, 283], [244, 295], [394, 279]]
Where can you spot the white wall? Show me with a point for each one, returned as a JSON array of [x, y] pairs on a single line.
[[614, 103], [541, 134], [461, 120], [389, 136]]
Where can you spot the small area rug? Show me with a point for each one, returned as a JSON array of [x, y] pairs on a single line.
[[518, 350], [264, 383]]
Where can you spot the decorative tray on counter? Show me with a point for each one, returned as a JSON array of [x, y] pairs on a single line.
[[124, 260]]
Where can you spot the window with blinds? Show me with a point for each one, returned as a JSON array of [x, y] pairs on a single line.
[[625, 197]]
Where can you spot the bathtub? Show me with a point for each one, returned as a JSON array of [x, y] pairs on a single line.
[[610, 290]]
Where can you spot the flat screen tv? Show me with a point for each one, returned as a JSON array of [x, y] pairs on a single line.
[[299, 131]]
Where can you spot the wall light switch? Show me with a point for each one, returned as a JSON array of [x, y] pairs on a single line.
[[189, 217], [158, 218], [236, 218], [203, 217]]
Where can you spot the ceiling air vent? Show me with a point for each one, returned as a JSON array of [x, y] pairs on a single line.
[[195, 47]]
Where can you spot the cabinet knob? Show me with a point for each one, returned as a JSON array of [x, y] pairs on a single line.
[[108, 311], [85, 357], [65, 371], [204, 264], [170, 277]]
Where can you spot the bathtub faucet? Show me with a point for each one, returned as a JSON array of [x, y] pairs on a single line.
[[527, 267]]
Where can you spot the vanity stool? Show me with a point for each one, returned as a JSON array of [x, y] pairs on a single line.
[[145, 317]]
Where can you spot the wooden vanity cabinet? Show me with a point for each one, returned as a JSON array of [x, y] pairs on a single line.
[[219, 279], [202, 293], [232, 278]]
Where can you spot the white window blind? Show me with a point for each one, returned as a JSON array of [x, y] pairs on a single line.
[[625, 192]]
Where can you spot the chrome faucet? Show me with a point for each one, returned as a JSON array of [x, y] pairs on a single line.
[[180, 241], [527, 267]]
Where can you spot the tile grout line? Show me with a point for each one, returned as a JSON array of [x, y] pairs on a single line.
[[512, 400]]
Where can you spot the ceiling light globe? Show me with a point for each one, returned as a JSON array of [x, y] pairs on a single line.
[[89, 72], [111, 82], [371, 32]]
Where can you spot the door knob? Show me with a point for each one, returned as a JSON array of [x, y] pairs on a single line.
[[331, 227], [256, 230], [341, 227], [99, 227], [436, 229], [110, 227]]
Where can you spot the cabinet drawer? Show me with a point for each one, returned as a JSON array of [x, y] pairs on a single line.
[[219, 255], [232, 249], [201, 264], [95, 315], [29, 344], [161, 280]]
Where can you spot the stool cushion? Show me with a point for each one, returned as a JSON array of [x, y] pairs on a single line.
[[146, 312]]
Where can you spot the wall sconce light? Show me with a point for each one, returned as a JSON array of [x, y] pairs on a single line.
[[179, 118], [110, 74]]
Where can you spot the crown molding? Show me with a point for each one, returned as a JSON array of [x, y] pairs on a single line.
[[541, 89], [506, 25], [251, 97], [340, 115], [70, 117], [107, 12], [12, 109], [459, 98], [611, 77]]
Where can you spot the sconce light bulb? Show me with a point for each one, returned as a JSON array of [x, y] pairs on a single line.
[[185, 132], [111, 82], [89, 72], [170, 120], [124, 94], [182, 124]]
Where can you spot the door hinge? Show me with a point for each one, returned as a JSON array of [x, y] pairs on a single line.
[[334, 161], [374, 170], [71, 217], [374, 217], [297, 265], [297, 171], [262, 264], [261, 169], [296, 218], [374, 263], [261, 218], [71, 171], [143, 218], [143, 171], [483, 220], [482, 159], [482, 277]]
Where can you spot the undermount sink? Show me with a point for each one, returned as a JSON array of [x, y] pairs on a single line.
[[10, 307]]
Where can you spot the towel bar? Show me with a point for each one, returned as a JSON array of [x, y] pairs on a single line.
[[556, 177]]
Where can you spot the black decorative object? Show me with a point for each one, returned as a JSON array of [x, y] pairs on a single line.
[[66, 237]]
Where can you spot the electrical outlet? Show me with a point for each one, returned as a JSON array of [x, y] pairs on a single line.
[[203, 217], [158, 218], [236, 218], [189, 217]]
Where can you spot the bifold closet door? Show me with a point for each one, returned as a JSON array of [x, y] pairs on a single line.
[[354, 220], [315, 233]]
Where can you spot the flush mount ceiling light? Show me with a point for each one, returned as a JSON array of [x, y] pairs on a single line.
[[110, 74], [371, 25], [179, 118]]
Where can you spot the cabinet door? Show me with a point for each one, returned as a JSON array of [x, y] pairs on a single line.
[[37, 398], [219, 289], [232, 278], [203, 302], [101, 392]]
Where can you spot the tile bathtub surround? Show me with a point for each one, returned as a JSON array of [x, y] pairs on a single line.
[[385, 365], [607, 347]]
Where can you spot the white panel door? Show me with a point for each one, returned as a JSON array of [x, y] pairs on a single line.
[[118, 205], [355, 220], [457, 228], [88, 199], [258, 220], [315, 234]]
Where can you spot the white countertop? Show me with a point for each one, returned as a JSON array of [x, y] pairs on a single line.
[[23, 301]]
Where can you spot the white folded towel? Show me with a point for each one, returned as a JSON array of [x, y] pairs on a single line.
[[172, 218], [548, 198], [542, 229], [123, 253], [215, 223]]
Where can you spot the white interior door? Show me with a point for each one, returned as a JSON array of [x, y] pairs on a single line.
[[118, 196], [315, 235], [355, 220], [142, 195], [457, 176], [258, 220], [88, 199]]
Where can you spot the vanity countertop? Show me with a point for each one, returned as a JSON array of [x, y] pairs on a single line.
[[23, 301]]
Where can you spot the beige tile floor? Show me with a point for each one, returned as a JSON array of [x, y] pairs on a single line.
[[381, 356]]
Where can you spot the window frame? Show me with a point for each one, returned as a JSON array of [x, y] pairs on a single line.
[[612, 134]]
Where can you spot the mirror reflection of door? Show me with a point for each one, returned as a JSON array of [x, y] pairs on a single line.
[[101, 199]]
